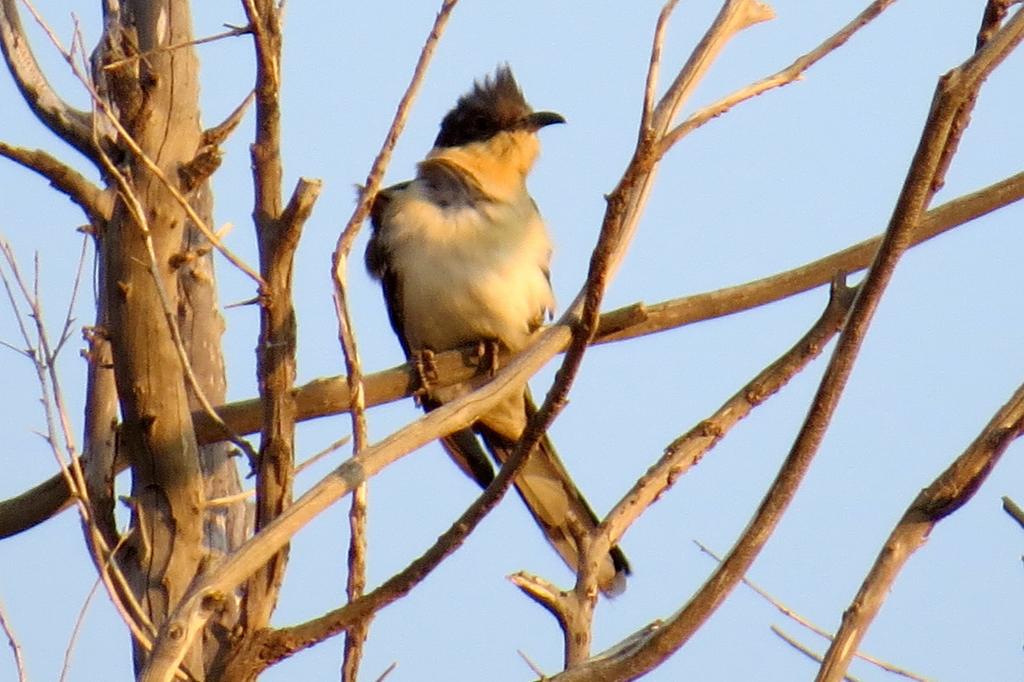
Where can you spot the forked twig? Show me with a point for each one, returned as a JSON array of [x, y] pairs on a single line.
[[346, 334], [821, 632], [954, 97], [790, 74]]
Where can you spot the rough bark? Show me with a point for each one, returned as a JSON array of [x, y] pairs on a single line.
[[157, 100]]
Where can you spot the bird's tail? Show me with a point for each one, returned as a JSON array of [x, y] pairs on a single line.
[[558, 506]]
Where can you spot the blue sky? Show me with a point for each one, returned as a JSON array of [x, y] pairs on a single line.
[[781, 180]]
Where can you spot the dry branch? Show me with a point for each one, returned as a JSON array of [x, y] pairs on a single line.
[[625, 205], [805, 650], [69, 124], [330, 396], [953, 488], [793, 615], [278, 229], [1014, 510], [347, 338], [939, 137], [790, 74], [94, 202], [12, 641]]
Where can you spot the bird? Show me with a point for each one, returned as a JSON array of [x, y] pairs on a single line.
[[462, 255]]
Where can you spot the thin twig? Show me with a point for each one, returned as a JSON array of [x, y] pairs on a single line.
[[232, 32], [12, 641], [54, 412], [1014, 510], [654, 67], [531, 665], [790, 74], [346, 335], [70, 124], [387, 671], [805, 650], [821, 632], [79, 621]]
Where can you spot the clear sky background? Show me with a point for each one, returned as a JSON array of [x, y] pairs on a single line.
[[781, 180]]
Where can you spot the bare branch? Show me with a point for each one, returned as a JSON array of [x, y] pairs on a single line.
[[734, 17], [804, 650], [953, 488], [12, 641], [70, 124], [278, 230], [94, 202], [940, 133], [220, 132], [689, 449], [793, 615], [355, 584], [330, 396], [788, 75], [346, 335], [1014, 510], [954, 95], [655, 66], [232, 32], [730, 300], [66, 668]]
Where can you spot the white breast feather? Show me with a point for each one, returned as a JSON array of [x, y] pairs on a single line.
[[468, 275]]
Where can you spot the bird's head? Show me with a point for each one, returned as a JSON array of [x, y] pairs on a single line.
[[495, 106]]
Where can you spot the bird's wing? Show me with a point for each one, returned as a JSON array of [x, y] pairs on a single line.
[[448, 184], [378, 260], [461, 446], [556, 504]]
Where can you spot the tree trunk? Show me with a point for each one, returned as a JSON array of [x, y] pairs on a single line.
[[156, 99]]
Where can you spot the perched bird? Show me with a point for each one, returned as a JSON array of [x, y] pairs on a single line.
[[462, 255]]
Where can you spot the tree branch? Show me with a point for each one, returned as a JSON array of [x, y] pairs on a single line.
[[330, 396], [347, 338], [953, 488], [278, 229], [793, 615], [940, 132], [788, 75], [12, 641], [954, 96], [94, 202], [70, 124]]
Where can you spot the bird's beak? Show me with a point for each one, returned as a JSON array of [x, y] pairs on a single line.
[[539, 119]]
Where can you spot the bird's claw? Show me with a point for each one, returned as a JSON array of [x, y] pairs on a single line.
[[426, 371], [488, 352]]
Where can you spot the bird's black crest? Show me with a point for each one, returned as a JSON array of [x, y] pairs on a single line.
[[492, 106]]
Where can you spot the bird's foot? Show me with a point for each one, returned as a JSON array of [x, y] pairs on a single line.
[[426, 371], [488, 352]]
